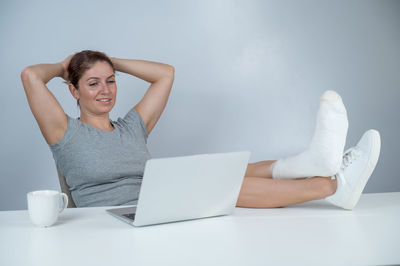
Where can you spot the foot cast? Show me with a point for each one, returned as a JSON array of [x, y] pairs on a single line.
[[325, 156]]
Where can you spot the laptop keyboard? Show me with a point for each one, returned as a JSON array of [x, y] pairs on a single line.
[[130, 216]]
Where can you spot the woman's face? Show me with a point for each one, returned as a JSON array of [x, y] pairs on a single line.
[[97, 89]]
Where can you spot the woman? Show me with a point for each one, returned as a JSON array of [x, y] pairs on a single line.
[[103, 160]]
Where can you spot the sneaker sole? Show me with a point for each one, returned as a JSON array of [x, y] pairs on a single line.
[[372, 161]]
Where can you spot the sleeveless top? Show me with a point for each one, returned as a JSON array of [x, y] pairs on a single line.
[[103, 168]]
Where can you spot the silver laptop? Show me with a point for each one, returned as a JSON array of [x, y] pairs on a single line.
[[186, 188]]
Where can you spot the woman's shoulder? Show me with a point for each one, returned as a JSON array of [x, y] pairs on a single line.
[[133, 121]]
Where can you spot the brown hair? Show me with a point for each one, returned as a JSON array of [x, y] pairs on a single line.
[[83, 61]]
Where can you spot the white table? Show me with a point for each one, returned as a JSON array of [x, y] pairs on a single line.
[[313, 233]]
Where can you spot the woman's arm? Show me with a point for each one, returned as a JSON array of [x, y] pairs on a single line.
[[48, 112], [161, 77]]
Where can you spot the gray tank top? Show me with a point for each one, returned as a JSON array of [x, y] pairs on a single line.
[[103, 168]]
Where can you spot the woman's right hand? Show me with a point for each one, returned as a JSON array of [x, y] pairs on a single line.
[[65, 64]]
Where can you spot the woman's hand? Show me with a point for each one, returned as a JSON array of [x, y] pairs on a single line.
[[65, 64]]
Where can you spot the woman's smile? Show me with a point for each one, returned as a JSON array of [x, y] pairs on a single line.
[[104, 100]]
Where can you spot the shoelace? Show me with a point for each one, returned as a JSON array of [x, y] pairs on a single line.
[[348, 158]]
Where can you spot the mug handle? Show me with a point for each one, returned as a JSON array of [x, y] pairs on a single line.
[[65, 202]]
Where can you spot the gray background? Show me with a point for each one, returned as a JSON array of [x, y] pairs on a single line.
[[248, 75]]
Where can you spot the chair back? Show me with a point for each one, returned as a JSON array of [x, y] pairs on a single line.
[[65, 189]]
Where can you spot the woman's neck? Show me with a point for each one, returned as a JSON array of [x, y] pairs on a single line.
[[99, 122]]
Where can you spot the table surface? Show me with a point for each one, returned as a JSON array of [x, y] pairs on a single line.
[[313, 233]]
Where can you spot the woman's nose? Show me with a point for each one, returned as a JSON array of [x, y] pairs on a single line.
[[104, 87]]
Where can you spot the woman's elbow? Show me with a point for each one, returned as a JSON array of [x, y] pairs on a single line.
[[27, 73], [170, 71]]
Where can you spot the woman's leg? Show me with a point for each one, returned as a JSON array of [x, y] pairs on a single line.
[[261, 192], [260, 169]]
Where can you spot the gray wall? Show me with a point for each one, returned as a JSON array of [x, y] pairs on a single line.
[[248, 75]]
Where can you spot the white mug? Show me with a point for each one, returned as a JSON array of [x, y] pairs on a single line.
[[44, 206]]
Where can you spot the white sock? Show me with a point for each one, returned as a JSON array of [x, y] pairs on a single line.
[[324, 156]]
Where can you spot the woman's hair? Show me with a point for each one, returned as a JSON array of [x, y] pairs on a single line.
[[83, 61]]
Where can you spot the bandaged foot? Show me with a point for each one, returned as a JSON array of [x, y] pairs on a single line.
[[324, 155]]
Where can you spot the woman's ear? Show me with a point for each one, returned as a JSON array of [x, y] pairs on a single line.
[[74, 91]]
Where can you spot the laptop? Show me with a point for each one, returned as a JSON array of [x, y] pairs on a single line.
[[187, 188]]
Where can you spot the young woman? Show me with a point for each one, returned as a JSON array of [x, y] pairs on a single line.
[[103, 160]]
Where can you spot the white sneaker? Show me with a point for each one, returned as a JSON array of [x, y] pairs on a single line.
[[357, 166]]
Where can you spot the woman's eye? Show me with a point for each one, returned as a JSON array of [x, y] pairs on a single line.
[[92, 84], [111, 81]]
